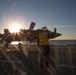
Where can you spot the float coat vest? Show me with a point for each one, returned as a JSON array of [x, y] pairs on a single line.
[[43, 38]]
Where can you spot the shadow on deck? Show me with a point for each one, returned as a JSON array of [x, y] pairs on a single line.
[[26, 61]]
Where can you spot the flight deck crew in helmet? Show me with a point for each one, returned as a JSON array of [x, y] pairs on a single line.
[[44, 46]]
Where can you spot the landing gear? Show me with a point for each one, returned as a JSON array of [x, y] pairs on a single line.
[[5, 44], [20, 46]]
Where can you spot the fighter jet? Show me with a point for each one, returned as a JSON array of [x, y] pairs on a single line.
[[24, 35]]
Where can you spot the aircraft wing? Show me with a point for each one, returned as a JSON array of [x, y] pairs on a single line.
[[35, 33], [5, 37], [8, 37], [53, 35]]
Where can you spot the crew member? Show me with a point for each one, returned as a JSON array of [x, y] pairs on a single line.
[[44, 46]]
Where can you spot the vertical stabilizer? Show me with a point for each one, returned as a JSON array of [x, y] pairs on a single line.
[[32, 26]]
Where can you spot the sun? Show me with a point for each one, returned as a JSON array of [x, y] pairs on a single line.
[[15, 27]]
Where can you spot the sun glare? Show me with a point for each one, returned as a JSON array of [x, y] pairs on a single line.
[[14, 27]]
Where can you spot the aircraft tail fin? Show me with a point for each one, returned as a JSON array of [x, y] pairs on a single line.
[[32, 26], [6, 31]]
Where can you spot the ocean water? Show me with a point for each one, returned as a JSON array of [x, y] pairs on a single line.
[[62, 42]]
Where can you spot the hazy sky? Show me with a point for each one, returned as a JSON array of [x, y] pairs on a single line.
[[50, 13]]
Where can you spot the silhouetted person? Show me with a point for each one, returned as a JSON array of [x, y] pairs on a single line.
[[44, 46]]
